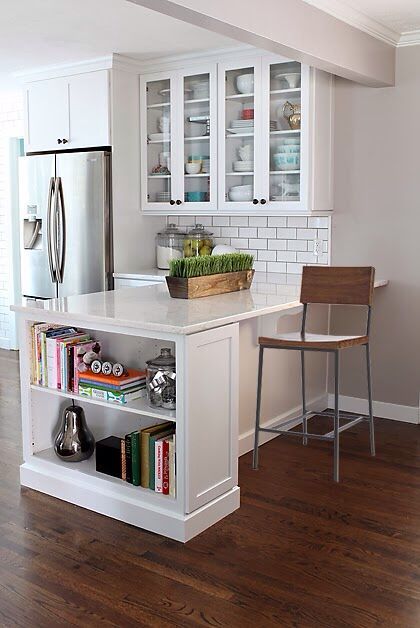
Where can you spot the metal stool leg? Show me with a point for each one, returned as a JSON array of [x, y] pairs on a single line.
[[369, 383], [336, 418], [302, 376], [257, 415]]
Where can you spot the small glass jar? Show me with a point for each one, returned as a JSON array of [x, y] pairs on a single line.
[[161, 380], [198, 241], [169, 245]]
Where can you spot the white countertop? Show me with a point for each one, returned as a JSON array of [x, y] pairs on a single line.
[[151, 308]]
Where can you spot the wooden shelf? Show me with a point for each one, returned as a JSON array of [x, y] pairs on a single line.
[[138, 406]]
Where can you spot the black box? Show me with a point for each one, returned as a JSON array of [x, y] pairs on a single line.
[[108, 456]]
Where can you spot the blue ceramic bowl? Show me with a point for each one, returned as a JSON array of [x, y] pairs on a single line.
[[195, 197], [286, 161]]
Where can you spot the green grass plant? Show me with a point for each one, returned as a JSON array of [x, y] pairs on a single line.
[[201, 266]]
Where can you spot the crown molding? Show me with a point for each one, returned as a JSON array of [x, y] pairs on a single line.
[[409, 38], [356, 18]]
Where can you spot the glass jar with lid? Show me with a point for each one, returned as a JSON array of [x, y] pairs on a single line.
[[161, 380], [198, 241], [169, 245]]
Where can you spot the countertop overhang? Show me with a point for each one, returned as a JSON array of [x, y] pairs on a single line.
[[151, 308]]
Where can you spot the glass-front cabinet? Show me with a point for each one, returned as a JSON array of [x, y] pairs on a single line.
[[250, 135], [178, 141], [262, 136]]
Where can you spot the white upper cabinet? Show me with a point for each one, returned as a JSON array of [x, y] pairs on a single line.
[[68, 112], [179, 140], [273, 122]]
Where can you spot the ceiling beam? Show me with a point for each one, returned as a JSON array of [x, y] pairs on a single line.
[[294, 29]]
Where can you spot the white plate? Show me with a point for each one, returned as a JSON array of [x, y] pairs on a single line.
[[245, 129]]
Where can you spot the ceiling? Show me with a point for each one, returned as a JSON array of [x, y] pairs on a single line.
[[39, 33], [396, 21]]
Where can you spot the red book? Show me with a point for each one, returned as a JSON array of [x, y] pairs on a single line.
[[165, 475]]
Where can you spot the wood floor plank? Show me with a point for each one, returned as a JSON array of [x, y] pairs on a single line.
[[300, 552]]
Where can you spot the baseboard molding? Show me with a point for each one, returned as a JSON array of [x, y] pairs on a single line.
[[246, 439], [396, 412]]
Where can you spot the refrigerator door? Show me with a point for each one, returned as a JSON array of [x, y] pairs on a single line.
[[36, 200], [82, 223]]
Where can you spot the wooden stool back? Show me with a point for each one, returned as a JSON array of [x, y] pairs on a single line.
[[341, 285]]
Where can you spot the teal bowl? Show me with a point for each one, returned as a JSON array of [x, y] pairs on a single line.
[[195, 197]]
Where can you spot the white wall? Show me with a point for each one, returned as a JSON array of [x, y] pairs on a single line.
[[11, 125], [377, 221]]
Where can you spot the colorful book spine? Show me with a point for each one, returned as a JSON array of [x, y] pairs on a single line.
[[86, 390], [172, 463], [123, 461], [158, 465], [135, 458], [128, 459], [165, 467]]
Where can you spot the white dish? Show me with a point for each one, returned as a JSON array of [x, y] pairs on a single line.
[[168, 91], [291, 141], [159, 137], [245, 83], [290, 79], [245, 129], [244, 188], [220, 249]]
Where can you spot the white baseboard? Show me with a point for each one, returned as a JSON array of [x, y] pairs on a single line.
[[396, 412], [246, 440]]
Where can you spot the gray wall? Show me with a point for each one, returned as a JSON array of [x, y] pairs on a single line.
[[377, 222]]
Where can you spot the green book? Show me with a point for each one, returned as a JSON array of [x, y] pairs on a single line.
[[135, 458], [153, 438]]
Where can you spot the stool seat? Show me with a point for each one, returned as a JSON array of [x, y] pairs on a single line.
[[312, 341]]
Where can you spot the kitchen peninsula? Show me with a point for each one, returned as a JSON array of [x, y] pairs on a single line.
[[215, 343]]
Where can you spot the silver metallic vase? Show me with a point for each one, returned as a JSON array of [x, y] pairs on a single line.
[[74, 441]]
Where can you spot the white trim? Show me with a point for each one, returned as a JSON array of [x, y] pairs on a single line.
[[357, 19], [246, 439], [409, 38], [394, 411], [4, 343]]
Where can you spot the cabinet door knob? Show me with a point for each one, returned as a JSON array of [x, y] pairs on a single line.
[[263, 201], [59, 141], [178, 202], [65, 141], [172, 202], [255, 201]]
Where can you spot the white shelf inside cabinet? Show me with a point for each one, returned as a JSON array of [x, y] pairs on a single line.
[[239, 174], [290, 90], [158, 105], [87, 468], [284, 171], [159, 141], [286, 132], [196, 101], [200, 174], [138, 406], [158, 176], [239, 135], [197, 138], [239, 96]]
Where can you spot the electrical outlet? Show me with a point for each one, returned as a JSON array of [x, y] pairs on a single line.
[[317, 247]]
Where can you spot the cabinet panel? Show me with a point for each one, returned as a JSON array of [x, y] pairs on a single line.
[[89, 110], [47, 114], [211, 419]]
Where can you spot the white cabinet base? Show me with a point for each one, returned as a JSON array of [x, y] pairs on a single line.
[[96, 494]]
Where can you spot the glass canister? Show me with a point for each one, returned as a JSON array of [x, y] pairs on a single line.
[[198, 241], [161, 380], [169, 245]]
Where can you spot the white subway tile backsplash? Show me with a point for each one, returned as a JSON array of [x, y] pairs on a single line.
[[277, 221], [222, 241], [221, 221], [248, 232], [239, 243], [318, 222], [215, 231], [229, 232], [267, 232], [308, 258], [277, 245], [257, 221], [323, 234], [239, 221], [286, 234], [297, 245], [297, 221], [294, 269], [286, 256], [267, 256], [259, 243], [276, 267], [306, 234], [260, 266]]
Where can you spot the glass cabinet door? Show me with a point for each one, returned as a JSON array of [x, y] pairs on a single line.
[[157, 161], [238, 120], [284, 130], [199, 139]]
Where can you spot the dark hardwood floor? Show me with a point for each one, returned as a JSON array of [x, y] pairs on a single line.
[[301, 551]]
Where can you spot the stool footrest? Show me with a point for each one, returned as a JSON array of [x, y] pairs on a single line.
[[345, 427], [294, 433]]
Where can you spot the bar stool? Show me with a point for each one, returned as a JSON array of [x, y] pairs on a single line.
[[334, 286]]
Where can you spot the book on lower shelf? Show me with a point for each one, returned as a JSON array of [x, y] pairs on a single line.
[[145, 457]]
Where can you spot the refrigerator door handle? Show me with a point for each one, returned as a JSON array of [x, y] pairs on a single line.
[[61, 240], [50, 230]]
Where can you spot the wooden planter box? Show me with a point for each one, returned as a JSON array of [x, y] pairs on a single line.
[[209, 285]]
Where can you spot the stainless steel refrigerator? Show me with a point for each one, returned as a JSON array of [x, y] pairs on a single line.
[[66, 239]]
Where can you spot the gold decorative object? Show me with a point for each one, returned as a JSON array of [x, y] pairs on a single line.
[[292, 114]]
